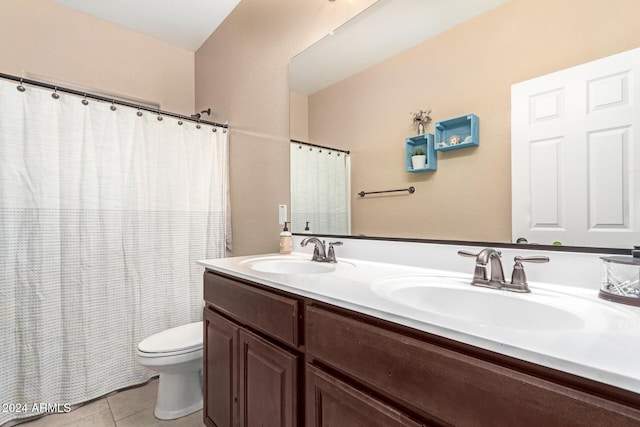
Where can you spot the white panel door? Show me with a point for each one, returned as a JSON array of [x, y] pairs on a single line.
[[575, 155]]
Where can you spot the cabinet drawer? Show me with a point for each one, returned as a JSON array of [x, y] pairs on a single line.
[[267, 312], [455, 388], [331, 402]]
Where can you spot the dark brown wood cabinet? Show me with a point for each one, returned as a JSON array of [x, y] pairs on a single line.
[[249, 380], [219, 370], [268, 383], [447, 386], [349, 369], [331, 402]]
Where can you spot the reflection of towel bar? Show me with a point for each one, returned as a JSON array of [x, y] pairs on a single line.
[[411, 190]]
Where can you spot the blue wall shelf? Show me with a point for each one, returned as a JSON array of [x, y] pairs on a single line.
[[457, 133], [426, 143]]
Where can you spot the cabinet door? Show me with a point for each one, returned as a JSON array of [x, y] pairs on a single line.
[[331, 402], [268, 384], [220, 367]]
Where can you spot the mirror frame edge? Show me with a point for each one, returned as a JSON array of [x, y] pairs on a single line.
[[526, 246]]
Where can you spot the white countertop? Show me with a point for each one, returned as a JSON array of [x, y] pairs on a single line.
[[601, 352]]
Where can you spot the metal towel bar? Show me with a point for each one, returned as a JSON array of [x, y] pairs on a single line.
[[411, 190]]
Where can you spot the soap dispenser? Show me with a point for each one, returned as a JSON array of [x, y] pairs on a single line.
[[285, 240], [307, 230]]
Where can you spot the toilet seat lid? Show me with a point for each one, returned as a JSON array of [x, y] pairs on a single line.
[[183, 337]]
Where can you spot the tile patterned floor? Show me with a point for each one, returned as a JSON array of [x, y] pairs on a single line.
[[129, 408]]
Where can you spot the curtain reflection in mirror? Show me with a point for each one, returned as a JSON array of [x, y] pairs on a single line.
[[320, 190]]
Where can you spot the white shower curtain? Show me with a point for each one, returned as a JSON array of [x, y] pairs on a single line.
[[103, 215], [320, 190]]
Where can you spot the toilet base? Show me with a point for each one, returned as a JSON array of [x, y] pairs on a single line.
[[179, 394]]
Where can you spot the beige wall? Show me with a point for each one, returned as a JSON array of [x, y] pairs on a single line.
[[43, 39], [299, 116], [468, 69], [242, 73]]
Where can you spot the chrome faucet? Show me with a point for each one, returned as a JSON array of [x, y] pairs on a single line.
[[489, 274], [488, 271], [320, 254]]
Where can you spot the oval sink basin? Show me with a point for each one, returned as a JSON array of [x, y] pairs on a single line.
[[458, 299], [284, 265]]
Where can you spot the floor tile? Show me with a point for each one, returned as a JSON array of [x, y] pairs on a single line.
[[97, 419], [147, 419], [128, 408], [56, 420], [133, 400]]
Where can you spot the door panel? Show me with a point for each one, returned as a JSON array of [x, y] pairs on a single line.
[[220, 355], [268, 383], [574, 144], [332, 403]]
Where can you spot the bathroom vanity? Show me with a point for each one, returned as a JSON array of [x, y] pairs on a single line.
[[321, 349]]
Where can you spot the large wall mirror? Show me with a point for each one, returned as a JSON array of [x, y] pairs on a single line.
[[354, 90]]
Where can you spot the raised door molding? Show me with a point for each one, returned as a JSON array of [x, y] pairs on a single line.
[[220, 366], [268, 383], [331, 402], [575, 149]]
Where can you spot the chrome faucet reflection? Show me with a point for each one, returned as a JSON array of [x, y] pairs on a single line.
[[320, 253], [489, 273]]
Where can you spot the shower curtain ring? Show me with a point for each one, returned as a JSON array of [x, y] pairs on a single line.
[[113, 105], [224, 131], [139, 113], [55, 95], [180, 121], [159, 116], [215, 129], [84, 101], [20, 87]]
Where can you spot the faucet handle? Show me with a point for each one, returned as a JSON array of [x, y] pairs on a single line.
[[538, 259], [482, 256], [331, 253], [468, 254], [518, 277]]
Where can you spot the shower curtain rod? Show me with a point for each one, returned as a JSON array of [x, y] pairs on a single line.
[[319, 146], [107, 99]]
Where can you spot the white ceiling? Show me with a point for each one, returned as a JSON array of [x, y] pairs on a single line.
[[385, 29], [398, 24], [184, 23]]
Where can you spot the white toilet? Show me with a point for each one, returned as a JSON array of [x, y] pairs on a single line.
[[177, 355]]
